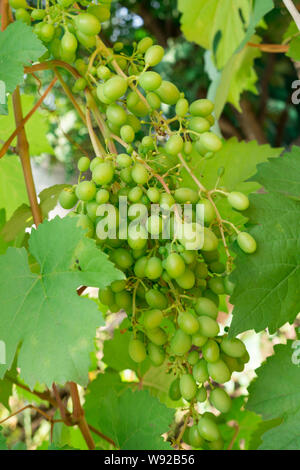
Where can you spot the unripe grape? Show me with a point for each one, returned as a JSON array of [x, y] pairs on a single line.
[[86, 40], [116, 114], [100, 11], [216, 284], [156, 299], [122, 258], [139, 267], [153, 194], [188, 147], [217, 267], [238, 201], [199, 340], [188, 387], [137, 350], [103, 173], [174, 145], [86, 190], [216, 445], [174, 390], [210, 242], [106, 296], [135, 194], [211, 351], [153, 100], [182, 107], [150, 81], [36, 14], [211, 142], [139, 174], [127, 134], [124, 160], [194, 437], [186, 280], [219, 371], [67, 199], [69, 42], [115, 87], [91, 209], [87, 24], [154, 55], [157, 336], [18, 4], [202, 107], [153, 269], [201, 271], [100, 93], [174, 265], [200, 372], [168, 92], [47, 32], [79, 85], [85, 222], [208, 429], [208, 209], [22, 15], [186, 195], [246, 242], [204, 306], [199, 124], [233, 347], [118, 286], [156, 354], [152, 319], [103, 72], [208, 326], [188, 323], [220, 400], [102, 196], [136, 105], [154, 225], [180, 343], [193, 357], [201, 395]]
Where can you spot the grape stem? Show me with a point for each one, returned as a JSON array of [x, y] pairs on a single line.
[[97, 146]]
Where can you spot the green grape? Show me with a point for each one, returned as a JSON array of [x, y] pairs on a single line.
[[154, 225], [211, 142], [135, 194], [156, 299], [87, 24], [134, 122], [180, 343], [83, 164], [137, 350], [85, 191], [67, 199], [201, 395], [102, 196], [212, 296], [153, 100], [208, 429], [116, 114], [168, 92], [199, 340], [122, 258], [166, 200], [101, 95], [22, 15], [200, 372], [91, 209], [152, 319], [201, 271], [201, 108], [186, 280], [174, 390], [229, 286], [65, 3], [36, 14], [219, 371], [216, 284], [136, 105], [246, 242], [139, 267], [124, 160], [124, 300], [147, 142], [233, 347], [139, 174], [194, 437], [188, 147], [216, 445], [207, 307], [188, 257], [218, 268], [211, 351], [86, 40], [103, 72], [208, 210], [95, 161], [106, 296], [182, 107], [154, 55], [238, 201], [220, 400], [193, 358], [157, 336], [118, 286], [86, 224], [174, 265], [209, 257], [79, 85], [150, 81], [115, 87], [174, 145], [69, 42], [127, 134], [153, 194], [101, 12], [208, 326], [186, 195], [153, 269], [47, 32], [144, 44], [211, 242], [188, 323], [103, 173], [18, 4], [188, 387], [199, 125], [156, 354]]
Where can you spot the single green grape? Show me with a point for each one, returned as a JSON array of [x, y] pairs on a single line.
[[246, 242], [188, 387], [180, 343], [137, 350]]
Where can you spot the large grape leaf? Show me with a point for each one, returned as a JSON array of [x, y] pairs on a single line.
[[275, 394], [36, 127], [135, 420], [267, 293], [12, 186], [218, 26], [18, 47], [42, 311]]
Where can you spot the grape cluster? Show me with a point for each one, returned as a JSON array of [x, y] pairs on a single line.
[[171, 292]]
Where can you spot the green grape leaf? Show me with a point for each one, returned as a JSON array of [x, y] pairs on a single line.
[[283, 175], [18, 47], [214, 25], [36, 308], [135, 420], [267, 282], [12, 186], [36, 127], [262, 428], [158, 382], [291, 31], [294, 49], [22, 217], [277, 396], [3, 445], [260, 9], [5, 392]]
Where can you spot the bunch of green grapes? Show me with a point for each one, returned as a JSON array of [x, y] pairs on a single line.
[[171, 292]]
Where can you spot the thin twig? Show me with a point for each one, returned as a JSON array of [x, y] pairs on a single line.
[[293, 12]]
